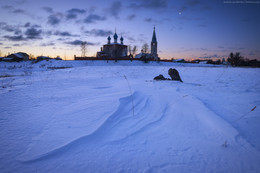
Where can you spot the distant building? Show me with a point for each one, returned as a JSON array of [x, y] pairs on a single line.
[[178, 60], [20, 56], [113, 50]]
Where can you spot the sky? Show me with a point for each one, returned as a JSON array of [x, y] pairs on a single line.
[[187, 29]]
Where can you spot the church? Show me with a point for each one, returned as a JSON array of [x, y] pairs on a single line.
[[115, 50], [153, 55]]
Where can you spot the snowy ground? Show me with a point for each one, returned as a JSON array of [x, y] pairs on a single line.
[[112, 117]]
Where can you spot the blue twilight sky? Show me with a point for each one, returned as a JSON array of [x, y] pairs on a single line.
[[184, 28]]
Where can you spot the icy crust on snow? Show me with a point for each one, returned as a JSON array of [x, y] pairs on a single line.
[[114, 118]]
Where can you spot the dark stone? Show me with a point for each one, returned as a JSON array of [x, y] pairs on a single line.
[[174, 74], [160, 77]]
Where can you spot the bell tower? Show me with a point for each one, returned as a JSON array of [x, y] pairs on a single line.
[[154, 45]]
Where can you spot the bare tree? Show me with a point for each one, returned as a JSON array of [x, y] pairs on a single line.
[[145, 48], [134, 50], [236, 59], [130, 50], [83, 49]]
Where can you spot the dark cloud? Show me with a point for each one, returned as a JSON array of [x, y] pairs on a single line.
[[131, 17], [63, 34], [28, 24], [7, 47], [48, 9], [220, 47], [79, 42], [54, 19], [75, 42], [99, 32], [115, 9], [33, 33], [15, 38], [16, 45], [10, 28], [92, 18], [74, 12], [47, 44], [251, 53], [210, 57], [18, 11], [1, 43], [7, 7], [149, 4]]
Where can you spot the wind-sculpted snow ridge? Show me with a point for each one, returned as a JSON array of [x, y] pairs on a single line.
[[118, 126]]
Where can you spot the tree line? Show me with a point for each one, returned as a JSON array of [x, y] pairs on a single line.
[[236, 60]]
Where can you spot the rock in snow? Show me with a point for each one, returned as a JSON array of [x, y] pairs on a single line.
[[160, 77], [174, 74]]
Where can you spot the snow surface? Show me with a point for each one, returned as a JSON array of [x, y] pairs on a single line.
[[98, 116]]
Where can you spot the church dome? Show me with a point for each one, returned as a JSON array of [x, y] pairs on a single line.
[[115, 36], [121, 38], [109, 38]]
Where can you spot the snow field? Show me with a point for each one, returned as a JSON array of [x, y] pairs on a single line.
[[112, 117]]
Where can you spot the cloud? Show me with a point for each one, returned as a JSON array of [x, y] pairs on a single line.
[[63, 34], [149, 4], [79, 42], [10, 28], [131, 17], [55, 19], [92, 18], [48, 9], [99, 32], [47, 44], [8, 7], [28, 24], [73, 13], [33, 33], [115, 9], [18, 11], [210, 57], [15, 38]]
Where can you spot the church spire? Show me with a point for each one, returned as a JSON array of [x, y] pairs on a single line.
[[154, 46], [154, 36]]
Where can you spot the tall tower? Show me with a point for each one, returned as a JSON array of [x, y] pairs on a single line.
[[154, 46]]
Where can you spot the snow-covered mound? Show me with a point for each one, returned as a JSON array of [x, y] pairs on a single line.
[[98, 116]]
